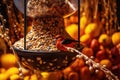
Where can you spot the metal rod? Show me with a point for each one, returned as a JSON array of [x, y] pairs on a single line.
[[25, 23], [118, 15], [79, 22]]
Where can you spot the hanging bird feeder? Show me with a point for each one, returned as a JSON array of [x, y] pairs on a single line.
[[38, 47]]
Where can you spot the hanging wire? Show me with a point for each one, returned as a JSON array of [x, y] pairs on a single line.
[[25, 23], [118, 15], [79, 22]]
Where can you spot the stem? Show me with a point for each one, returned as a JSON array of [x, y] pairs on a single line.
[[107, 72]]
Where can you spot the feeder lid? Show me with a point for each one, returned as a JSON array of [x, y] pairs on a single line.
[[36, 8]]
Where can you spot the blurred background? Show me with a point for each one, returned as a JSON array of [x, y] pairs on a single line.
[[99, 32]]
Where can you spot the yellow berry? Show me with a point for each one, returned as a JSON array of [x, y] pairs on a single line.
[[3, 76], [14, 77], [12, 70]]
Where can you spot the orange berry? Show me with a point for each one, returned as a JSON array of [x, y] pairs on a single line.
[[106, 62], [74, 19], [116, 38], [87, 51], [54, 76], [66, 22], [2, 70], [66, 71], [104, 39], [73, 76], [101, 55], [96, 60], [77, 64], [8, 60], [100, 75], [85, 73]]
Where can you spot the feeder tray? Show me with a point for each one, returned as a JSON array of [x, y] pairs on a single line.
[[44, 60]]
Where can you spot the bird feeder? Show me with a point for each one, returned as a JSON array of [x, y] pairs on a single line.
[[38, 47]]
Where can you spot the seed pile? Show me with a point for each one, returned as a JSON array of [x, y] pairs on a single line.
[[45, 27]]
